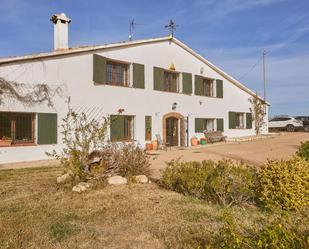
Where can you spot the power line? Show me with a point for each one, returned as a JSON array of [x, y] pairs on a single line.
[[251, 69]]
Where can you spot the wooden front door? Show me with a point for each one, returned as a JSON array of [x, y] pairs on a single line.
[[172, 131]]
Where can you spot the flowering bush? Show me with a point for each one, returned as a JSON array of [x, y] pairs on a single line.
[[284, 184]]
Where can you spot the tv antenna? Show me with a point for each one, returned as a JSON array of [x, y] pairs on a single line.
[[171, 26], [132, 25]]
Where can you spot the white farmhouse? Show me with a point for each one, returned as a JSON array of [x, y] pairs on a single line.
[[161, 85]]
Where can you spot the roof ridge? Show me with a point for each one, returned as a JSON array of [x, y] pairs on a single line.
[[78, 49]]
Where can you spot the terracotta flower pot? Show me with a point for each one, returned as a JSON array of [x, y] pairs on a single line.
[[149, 146], [154, 144], [6, 142], [194, 141]]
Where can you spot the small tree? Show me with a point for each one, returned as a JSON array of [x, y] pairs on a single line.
[[80, 137], [258, 112]]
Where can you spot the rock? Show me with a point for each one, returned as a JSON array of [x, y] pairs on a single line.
[[81, 187], [141, 179], [64, 178], [116, 180]]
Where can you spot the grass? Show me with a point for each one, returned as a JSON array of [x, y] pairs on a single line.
[[35, 212]]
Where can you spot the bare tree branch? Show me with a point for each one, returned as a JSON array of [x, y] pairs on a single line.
[[26, 94]]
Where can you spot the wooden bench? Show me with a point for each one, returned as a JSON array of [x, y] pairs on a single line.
[[214, 136]]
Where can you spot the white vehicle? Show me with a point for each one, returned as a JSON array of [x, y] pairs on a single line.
[[285, 123]]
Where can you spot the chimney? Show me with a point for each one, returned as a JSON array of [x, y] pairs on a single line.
[[61, 31]]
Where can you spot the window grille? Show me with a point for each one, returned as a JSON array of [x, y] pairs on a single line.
[[18, 127]]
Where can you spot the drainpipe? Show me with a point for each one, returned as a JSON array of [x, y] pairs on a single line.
[[187, 131]]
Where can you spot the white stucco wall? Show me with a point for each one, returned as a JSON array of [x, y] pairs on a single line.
[[75, 72]]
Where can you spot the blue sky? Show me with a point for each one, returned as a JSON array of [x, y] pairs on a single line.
[[230, 33]]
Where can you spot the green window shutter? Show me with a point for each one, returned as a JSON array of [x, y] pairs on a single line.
[[148, 128], [187, 83], [232, 120], [99, 69], [47, 128], [248, 120], [220, 124], [117, 127], [199, 125], [219, 84], [138, 76], [198, 85], [158, 78]]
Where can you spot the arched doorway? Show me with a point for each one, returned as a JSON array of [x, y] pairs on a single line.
[[174, 131]]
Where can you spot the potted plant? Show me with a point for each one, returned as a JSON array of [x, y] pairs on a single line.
[[5, 141], [194, 141]]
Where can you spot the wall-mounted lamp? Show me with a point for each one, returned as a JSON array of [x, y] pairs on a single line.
[[201, 102], [157, 114], [202, 70], [174, 106]]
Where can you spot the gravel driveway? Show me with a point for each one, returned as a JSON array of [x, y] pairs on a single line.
[[255, 152]]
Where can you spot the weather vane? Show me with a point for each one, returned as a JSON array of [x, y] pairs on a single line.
[[171, 27]]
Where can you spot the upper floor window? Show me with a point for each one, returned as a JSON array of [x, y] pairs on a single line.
[[117, 74], [17, 128], [171, 82], [208, 87]]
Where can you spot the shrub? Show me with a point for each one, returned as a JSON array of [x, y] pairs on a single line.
[[130, 160], [229, 235], [303, 151], [278, 232], [284, 184], [222, 182], [80, 137]]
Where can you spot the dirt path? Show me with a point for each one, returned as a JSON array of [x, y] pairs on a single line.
[[254, 152]]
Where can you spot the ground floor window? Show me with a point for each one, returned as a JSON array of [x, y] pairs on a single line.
[[209, 124], [121, 128], [204, 124], [17, 128], [240, 120], [148, 124]]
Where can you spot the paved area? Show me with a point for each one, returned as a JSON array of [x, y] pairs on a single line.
[[254, 152]]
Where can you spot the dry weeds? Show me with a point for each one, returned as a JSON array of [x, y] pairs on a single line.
[[37, 213]]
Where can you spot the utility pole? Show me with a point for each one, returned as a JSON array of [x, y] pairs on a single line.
[[264, 74]]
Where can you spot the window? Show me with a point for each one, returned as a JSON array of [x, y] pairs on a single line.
[[121, 128], [209, 124], [171, 82], [207, 87], [117, 74], [148, 128], [17, 127], [128, 128], [204, 124], [240, 120]]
